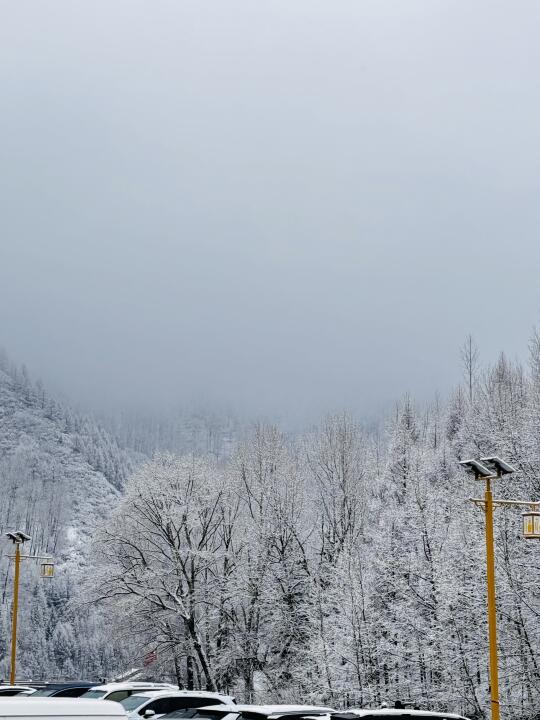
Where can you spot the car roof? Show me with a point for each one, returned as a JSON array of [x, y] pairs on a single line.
[[270, 710], [182, 693], [53, 685], [62, 685], [54, 707], [107, 687], [400, 712]]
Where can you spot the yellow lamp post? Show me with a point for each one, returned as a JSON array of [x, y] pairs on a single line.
[[18, 538], [488, 469]]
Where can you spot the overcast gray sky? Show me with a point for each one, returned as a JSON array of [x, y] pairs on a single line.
[[284, 206]]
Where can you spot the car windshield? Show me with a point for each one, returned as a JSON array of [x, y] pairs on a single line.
[[133, 702], [94, 694]]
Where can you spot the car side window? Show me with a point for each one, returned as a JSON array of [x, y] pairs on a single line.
[[160, 706], [183, 703], [70, 692], [118, 695]]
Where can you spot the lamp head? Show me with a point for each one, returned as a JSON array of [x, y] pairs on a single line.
[[499, 466], [477, 468], [18, 537]]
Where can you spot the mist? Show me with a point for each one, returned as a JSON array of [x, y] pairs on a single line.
[[273, 207]]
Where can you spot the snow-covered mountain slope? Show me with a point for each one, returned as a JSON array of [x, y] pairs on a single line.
[[59, 472]]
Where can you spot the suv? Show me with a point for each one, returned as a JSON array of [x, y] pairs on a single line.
[[154, 703], [120, 691]]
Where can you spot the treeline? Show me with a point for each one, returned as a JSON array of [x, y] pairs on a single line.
[[178, 430], [341, 566]]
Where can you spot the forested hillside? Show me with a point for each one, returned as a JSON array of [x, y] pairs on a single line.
[[60, 473], [340, 566]]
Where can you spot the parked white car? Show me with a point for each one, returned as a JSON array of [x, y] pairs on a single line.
[[119, 691], [253, 712], [153, 703], [394, 713], [29, 708]]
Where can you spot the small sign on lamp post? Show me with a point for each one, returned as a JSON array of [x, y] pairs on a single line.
[[531, 524], [47, 569]]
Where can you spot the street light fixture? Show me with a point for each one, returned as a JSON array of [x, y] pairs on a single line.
[[531, 523], [500, 466], [479, 470], [488, 469], [18, 538], [482, 471], [47, 569]]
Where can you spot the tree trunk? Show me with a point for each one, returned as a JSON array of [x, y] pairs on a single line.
[[189, 672], [178, 668], [201, 655]]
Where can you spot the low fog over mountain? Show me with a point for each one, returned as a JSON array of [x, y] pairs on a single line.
[[274, 209]]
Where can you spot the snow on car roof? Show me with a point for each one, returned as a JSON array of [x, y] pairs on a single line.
[[55, 707], [133, 686], [401, 712], [181, 693], [269, 710]]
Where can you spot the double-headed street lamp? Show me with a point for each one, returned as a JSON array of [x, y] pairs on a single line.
[[488, 469], [18, 538]]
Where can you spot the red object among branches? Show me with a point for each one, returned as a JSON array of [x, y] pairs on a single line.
[[149, 658]]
